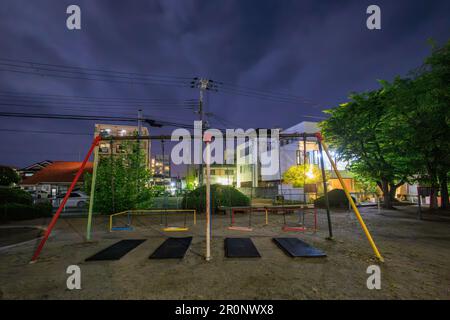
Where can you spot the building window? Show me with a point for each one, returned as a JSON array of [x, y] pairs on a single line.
[[104, 147]]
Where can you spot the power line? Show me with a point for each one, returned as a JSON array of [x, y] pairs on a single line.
[[45, 132], [83, 98], [88, 76], [56, 67], [150, 122], [90, 107]]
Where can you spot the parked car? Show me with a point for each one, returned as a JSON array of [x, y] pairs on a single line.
[[39, 194], [76, 199]]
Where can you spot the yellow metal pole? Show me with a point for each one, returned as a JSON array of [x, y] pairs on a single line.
[[352, 203], [195, 217], [267, 217]]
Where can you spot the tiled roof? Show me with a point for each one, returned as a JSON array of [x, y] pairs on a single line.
[[58, 171]]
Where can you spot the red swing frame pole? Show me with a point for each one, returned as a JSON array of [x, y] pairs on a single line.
[[63, 203]]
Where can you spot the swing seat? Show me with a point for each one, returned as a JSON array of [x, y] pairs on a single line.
[[240, 228], [173, 229], [122, 228], [291, 228]]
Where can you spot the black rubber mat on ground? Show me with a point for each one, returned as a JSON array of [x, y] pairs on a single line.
[[240, 248], [172, 248], [117, 250], [297, 248]]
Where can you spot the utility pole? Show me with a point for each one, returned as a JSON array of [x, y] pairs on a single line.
[[207, 140], [202, 84], [139, 122]]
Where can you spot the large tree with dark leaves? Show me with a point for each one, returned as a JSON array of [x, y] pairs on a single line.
[[356, 131]]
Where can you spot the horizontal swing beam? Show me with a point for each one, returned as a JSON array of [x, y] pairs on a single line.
[[168, 137]]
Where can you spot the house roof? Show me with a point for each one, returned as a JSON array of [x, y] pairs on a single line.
[[57, 172], [37, 165]]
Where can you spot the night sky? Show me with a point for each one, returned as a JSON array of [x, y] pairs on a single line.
[[317, 51]]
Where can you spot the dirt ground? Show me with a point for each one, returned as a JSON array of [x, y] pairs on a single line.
[[417, 256]]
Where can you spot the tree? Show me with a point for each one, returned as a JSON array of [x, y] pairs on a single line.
[[8, 176], [299, 175], [420, 112], [400, 132], [122, 181], [356, 130]]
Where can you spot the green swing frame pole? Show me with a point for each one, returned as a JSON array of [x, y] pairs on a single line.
[[91, 197], [350, 199]]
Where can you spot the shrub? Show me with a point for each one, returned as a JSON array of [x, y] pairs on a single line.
[[336, 199], [221, 196], [14, 195], [8, 176], [18, 211]]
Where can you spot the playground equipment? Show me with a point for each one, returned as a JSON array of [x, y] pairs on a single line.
[[208, 139], [128, 214], [303, 209], [300, 224]]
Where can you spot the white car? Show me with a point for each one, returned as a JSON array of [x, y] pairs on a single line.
[[76, 199]]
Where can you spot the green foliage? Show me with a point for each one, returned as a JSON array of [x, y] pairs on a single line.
[[336, 199], [190, 179], [221, 196], [400, 132], [365, 185], [298, 175], [19, 211], [15, 195], [122, 182], [8, 176]]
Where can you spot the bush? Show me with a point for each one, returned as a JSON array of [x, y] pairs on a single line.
[[14, 195], [221, 196], [18, 211], [336, 199], [8, 176]]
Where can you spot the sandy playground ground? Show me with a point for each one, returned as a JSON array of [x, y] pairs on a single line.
[[417, 256]]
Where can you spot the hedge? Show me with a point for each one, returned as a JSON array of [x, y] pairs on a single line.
[[336, 199], [221, 196], [18, 211], [14, 195]]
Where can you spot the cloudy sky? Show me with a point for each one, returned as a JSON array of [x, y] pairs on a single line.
[[277, 63]]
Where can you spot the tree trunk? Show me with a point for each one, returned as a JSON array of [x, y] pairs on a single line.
[[433, 197], [444, 190], [392, 190], [387, 204]]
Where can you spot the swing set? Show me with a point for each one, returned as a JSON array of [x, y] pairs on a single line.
[[129, 214], [301, 209], [207, 140]]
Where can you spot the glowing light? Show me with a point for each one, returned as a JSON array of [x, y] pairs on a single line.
[[310, 174]]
